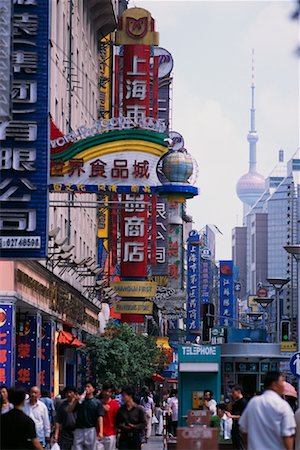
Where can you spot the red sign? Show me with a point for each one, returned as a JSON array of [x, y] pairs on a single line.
[[134, 236], [136, 81]]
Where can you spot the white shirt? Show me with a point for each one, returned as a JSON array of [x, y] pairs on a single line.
[[39, 414], [266, 420], [226, 427], [212, 407], [173, 405]]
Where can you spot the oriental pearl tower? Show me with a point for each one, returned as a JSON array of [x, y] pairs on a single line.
[[251, 186]]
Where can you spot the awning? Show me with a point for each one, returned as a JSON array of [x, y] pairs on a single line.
[[157, 377], [66, 338]]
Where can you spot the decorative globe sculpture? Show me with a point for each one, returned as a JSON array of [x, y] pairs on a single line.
[[177, 166]]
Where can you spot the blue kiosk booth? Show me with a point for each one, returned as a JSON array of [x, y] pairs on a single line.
[[199, 369]]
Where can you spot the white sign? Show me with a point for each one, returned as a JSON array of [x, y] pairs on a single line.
[[115, 123], [165, 62], [5, 59], [199, 350], [20, 242], [177, 140], [119, 168]]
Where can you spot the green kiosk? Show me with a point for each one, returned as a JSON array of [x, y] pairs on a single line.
[[199, 369]]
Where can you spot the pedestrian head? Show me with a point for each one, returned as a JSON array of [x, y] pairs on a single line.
[[70, 393], [221, 409], [174, 393], [46, 393], [107, 390], [128, 395], [237, 392], [17, 396], [208, 395], [34, 394], [4, 394], [90, 388], [274, 381]]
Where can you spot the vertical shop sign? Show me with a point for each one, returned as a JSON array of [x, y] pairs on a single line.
[[193, 284], [226, 293], [46, 377], [175, 269], [134, 236], [24, 141], [205, 275], [136, 81], [6, 344], [26, 353], [161, 266]]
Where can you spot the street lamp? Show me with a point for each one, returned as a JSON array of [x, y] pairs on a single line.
[[264, 302], [278, 284], [295, 251]]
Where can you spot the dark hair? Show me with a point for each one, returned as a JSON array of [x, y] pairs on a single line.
[[209, 391], [238, 387], [222, 407], [128, 391], [108, 387], [70, 389], [174, 392], [91, 383], [16, 396], [270, 378], [46, 393]]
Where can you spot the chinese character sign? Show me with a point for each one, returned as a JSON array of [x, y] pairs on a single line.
[[205, 275], [26, 353], [24, 140], [134, 235], [162, 257], [226, 293], [193, 285], [175, 247], [6, 344], [136, 81]]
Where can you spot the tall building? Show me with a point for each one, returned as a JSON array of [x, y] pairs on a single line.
[[251, 185]]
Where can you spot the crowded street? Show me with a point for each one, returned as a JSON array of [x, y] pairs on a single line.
[[149, 225]]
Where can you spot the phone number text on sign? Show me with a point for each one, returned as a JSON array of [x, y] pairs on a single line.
[[18, 242]]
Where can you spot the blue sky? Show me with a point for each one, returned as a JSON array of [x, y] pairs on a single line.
[[211, 43]]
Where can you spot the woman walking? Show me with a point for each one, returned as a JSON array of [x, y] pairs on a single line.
[[148, 404]]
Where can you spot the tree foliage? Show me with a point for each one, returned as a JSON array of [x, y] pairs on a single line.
[[122, 356]]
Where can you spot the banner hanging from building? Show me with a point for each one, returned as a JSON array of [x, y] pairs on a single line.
[[205, 280], [134, 236], [175, 230], [162, 257], [7, 334], [193, 285], [24, 140], [26, 352], [47, 355], [5, 59], [226, 294]]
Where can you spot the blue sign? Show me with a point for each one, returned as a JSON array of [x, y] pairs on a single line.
[[46, 375], [205, 276], [6, 344], [24, 140], [226, 294], [193, 323], [27, 353], [295, 364]]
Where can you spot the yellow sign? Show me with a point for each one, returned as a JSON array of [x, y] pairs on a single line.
[[252, 303], [134, 288], [288, 347], [126, 307]]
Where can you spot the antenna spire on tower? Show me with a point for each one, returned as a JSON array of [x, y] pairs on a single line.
[[252, 127]]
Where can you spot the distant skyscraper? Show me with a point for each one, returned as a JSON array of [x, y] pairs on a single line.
[[251, 185]]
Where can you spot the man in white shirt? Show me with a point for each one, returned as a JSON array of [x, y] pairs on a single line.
[[38, 412], [210, 403], [225, 423], [173, 410], [268, 421]]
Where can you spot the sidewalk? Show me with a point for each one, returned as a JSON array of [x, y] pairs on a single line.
[[154, 443]]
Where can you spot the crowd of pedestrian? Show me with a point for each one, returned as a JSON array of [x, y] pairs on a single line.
[[94, 419]]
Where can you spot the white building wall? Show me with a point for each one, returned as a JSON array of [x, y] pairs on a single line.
[[84, 103]]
